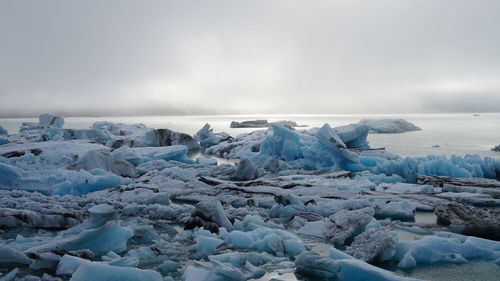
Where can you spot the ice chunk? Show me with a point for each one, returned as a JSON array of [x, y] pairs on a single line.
[[69, 264], [389, 126], [3, 131], [246, 171], [206, 245], [11, 218], [406, 188], [10, 276], [353, 135], [249, 124], [104, 272], [166, 137], [105, 161], [45, 172], [345, 224], [446, 247], [210, 215], [215, 271], [206, 161], [468, 220], [208, 138], [374, 245], [323, 151], [9, 255], [168, 266], [84, 182], [4, 140], [138, 155], [467, 166], [239, 259], [87, 134], [109, 237], [313, 265], [496, 148], [264, 239], [49, 120]]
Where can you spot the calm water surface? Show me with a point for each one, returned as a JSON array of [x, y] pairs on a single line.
[[453, 133]]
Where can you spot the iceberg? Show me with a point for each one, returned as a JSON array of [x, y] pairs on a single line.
[[208, 138], [323, 151], [389, 126]]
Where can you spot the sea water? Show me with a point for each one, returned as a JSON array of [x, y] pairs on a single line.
[[443, 134]]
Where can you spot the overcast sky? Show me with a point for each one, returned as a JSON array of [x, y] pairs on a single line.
[[227, 57]]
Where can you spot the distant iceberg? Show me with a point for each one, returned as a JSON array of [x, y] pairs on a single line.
[[389, 126]]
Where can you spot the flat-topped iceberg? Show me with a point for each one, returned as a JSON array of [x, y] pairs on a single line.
[[389, 126]]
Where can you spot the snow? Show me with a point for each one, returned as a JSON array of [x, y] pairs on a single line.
[[389, 126]]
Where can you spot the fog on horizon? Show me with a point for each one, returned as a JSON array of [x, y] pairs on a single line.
[[80, 58]]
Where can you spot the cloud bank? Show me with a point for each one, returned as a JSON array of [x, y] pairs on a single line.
[[229, 57]]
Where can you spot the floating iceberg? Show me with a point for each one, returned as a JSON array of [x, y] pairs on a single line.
[[389, 126]]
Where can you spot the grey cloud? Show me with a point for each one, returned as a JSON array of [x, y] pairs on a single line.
[[226, 57]]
